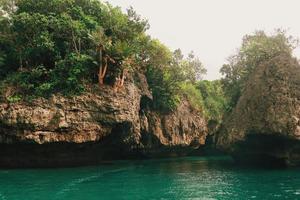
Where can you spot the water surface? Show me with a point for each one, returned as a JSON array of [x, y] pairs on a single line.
[[180, 178]]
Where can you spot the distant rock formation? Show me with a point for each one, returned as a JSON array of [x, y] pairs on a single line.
[[264, 127], [95, 126]]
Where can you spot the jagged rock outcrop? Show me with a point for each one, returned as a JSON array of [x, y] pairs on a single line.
[[187, 126], [95, 126], [264, 127]]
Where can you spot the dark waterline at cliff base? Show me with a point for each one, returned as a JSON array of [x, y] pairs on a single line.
[[180, 178]]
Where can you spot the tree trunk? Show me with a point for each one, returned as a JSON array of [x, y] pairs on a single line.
[[101, 72], [122, 79]]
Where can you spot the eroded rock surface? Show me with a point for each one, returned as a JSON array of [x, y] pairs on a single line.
[[95, 126], [265, 124]]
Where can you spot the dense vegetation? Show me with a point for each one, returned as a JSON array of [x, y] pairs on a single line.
[[255, 50], [67, 46], [51, 46]]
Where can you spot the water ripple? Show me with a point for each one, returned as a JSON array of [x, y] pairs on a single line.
[[188, 178]]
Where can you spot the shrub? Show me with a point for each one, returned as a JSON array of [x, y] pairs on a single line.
[[194, 96]]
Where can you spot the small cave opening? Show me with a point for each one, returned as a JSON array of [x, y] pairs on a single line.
[[145, 103], [118, 134], [150, 140], [121, 143]]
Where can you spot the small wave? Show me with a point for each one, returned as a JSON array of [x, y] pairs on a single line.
[[297, 192], [70, 186], [2, 197]]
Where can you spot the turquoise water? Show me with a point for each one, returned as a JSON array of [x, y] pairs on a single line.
[[183, 178]]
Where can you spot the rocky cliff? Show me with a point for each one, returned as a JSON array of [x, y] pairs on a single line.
[[264, 128], [98, 125]]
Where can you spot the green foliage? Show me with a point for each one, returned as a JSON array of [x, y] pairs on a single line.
[[14, 98], [51, 47], [214, 100], [68, 75], [170, 75], [27, 83], [193, 68], [255, 50], [46, 36], [194, 96], [7, 7], [64, 78], [187, 69], [164, 90], [207, 97]]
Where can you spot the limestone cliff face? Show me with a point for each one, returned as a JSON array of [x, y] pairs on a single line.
[[265, 125], [182, 128], [97, 125]]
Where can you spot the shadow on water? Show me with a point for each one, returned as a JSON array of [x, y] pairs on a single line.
[[216, 177], [271, 151]]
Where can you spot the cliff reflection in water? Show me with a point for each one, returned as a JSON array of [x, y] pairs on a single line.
[[180, 178]]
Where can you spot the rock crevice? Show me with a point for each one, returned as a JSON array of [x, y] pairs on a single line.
[[268, 109], [107, 125]]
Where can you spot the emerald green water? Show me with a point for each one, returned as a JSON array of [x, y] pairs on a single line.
[[181, 178]]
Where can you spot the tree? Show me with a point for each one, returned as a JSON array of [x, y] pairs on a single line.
[[64, 46], [7, 7], [102, 42], [195, 69], [51, 35], [214, 101], [255, 49], [160, 77], [187, 69]]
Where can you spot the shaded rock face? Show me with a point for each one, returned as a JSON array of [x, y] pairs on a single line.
[[264, 126], [95, 126], [187, 126]]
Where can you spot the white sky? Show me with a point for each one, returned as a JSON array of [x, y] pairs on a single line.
[[213, 29]]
